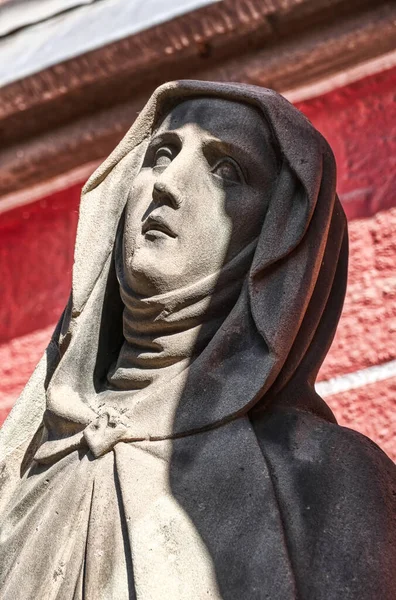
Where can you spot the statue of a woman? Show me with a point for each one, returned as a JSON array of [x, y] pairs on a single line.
[[170, 445]]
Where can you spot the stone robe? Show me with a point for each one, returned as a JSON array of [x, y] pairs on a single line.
[[231, 479]]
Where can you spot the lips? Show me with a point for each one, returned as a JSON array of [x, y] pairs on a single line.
[[157, 223]]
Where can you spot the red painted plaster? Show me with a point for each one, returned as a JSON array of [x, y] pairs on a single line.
[[371, 410], [366, 335], [359, 122], [36, 257], [18, 359]]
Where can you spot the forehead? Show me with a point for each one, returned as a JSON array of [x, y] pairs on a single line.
[[225, 120]]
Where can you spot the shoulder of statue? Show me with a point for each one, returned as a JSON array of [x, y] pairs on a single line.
[[313, 447]]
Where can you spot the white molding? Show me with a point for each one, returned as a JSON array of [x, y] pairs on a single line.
[[46, 188], [352, 381]]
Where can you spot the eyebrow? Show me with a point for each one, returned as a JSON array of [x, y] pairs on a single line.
[[159, 138], [249, 158], [229, 147], [239, 153]]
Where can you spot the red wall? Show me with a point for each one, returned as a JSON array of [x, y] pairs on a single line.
[[359, 121]]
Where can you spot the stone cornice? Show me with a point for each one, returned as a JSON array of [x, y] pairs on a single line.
[[76, 112]]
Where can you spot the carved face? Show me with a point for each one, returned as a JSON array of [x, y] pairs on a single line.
[[200, 196]]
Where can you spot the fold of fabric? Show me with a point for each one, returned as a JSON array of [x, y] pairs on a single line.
[[115, 528], [164, 333], [263, 330], [119, 484], [256, 511], [240, 361]]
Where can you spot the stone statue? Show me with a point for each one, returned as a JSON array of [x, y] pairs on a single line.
[[170, 445]]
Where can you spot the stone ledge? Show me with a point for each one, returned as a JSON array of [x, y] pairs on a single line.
[[77, 111]]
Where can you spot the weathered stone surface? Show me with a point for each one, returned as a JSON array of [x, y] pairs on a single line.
[[172, 431]]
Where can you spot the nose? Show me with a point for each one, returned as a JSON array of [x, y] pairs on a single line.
[[162, 194]]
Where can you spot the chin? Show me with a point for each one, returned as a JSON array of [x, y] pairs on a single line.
[[155, 271]]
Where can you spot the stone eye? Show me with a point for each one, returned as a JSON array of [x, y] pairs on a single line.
[[228, 169], [163, 156]]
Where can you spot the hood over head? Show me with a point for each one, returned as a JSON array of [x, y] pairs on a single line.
[[272, 342]]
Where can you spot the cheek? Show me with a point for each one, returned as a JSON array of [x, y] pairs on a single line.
[[139, 200], [140, 196], [206, 227], [208, 212]]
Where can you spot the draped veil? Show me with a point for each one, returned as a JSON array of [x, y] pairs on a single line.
[[205, 422], [294, 291]]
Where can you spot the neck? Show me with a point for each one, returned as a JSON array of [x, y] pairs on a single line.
[[164, 333]]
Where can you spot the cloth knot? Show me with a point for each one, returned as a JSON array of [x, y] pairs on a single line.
[[102, 434]]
